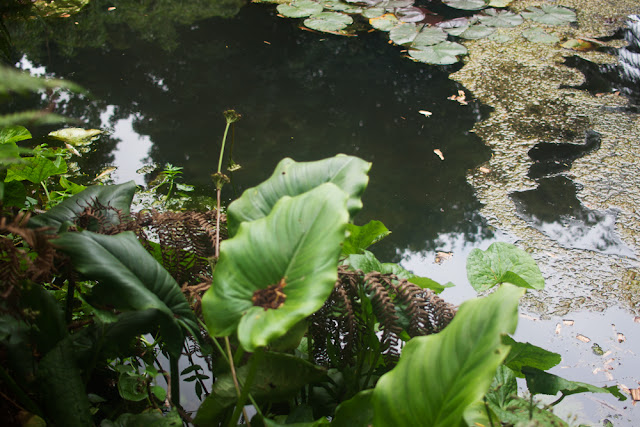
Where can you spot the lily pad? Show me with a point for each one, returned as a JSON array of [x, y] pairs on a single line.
[[340, 6], [429, 36], [328, 21], [396, 4], [385, 22], [550, 15], [500, 38], [440, 54], [538, 35], [466, 4], [375, 12], [300, 8], [455, 27], [476, 32], [409, 14], [403, 33], [279, 269], [76, 136], [500, 3], [500, 18]]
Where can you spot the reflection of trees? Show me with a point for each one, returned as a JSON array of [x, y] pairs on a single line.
[[301, 95]]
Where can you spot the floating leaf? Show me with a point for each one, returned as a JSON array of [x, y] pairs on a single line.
[[475, 32], [550, 15], [466, 4], [340, 6], [455, 27], [500, 18], [441, 54], [76, 136], [503, 263], [581, 45], [409, 14], [500, 38], [499, 3], [375, 12], [291, 178], [262, 288], [403, 33], [385, 22], [538, 35], [439, 376], [299, 8], [328, 21], [429, 36], [396, 4]]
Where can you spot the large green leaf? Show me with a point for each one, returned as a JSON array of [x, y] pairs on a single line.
[[300, 8], [129, 278], [503, 263], [550, 14], [466, 4], [356, 411], [328, 21], [36, 169], [440, 54], [540, 382], [440, 376], [279, 377], [500, 18], [289, 257], [525, 354], [13, 134], [115, 196], [291, 178], [362, 236]]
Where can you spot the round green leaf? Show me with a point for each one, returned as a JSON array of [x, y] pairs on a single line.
[[441, 54], [538, 35], [384, 22], [475, 32], [292, 252], [132, 387], [291, 178], [499, 3], [429, 36], [455, 27], [340, 6], [503, 263], [403, 33], [466, 4], [409, 14], [550, 15], [439, 376], [328, 21], [375, 12], [76, 136], [500, 18], [300, 8]]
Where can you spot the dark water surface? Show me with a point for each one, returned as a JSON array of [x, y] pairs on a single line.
[[301, 94]]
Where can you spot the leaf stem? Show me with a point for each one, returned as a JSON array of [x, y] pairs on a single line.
[[236, 384], [175, 380], [224, 140], [253, 367]]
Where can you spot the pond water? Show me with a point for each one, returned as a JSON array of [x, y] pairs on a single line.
[[160, 88]]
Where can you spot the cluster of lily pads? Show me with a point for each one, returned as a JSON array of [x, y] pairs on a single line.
[[426, 35]]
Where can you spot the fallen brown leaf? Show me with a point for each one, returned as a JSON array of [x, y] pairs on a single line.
[[583, 338], [439, 153]]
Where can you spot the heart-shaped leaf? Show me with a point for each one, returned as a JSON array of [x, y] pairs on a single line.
[[429, 36], [291, 178], [328, 21], [299, 8], [439, 376], [440, 54], [475, 32], [409, 14], [403, 33], [503, 263], [466, 4], [279, 269], [500, 18], [550, 14], [538, 35], [384, 22]]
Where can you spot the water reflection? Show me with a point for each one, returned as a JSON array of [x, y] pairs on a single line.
[[554, 209], [302, 95]]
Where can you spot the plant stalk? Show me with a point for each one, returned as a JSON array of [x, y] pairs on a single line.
[[232, 365], [253, 367], [175, 380]]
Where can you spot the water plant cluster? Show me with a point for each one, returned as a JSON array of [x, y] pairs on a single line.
[[429, 37], [286, 309]]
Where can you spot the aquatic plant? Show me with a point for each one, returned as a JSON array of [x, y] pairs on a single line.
[[426, 34]]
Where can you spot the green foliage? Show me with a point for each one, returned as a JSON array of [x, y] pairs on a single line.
[[540, 382], [360, 237], [525, 354], [503, 263]]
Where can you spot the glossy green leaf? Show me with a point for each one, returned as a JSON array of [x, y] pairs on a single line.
[[439, 376], [504, 387], [291, 178], [129, 278], [477, 31], [280, 376], [36, 169], [538, 35], [503, 263], [540, 382], [466, 4], [429, 36], [441, 54], [9, 153], [362, 236], [403, 33], [300, 8], [356, 411], [116, 196], [522, 412], [328, 21], [550, 14], [500, 18], [13, 134], [76, 136], [525, 354], [294, 250]]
